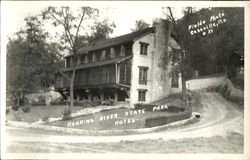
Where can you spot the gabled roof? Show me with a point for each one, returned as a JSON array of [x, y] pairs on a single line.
[[123, 39], [115, 41]]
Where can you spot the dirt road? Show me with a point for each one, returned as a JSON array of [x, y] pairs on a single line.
[[220, 119]]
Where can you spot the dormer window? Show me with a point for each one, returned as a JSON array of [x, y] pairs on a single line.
[[85, 59], [71, 61], [103, 54], [143, 48], [90, 57], [67, 62], [98, 55], [82, 58], [122, 52], [94, 57], [112, 52], [78, 60], [175, 80]]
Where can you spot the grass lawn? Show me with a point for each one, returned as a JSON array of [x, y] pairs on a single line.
[[39, 112], [166, 111], [127, 118], [116, 119], [233, 143]]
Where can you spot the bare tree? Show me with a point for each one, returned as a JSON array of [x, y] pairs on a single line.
[[71, 24], [182, 54]]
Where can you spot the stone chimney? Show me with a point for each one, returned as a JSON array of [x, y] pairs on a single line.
[[156, 21], [162, 32], [160, 68]]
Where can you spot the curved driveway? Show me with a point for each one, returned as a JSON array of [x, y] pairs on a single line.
[[220, 118]]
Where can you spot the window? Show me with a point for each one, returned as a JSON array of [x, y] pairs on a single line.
[[98, 56], [103, 54], [108, 54], [144, 48], [90, 57], [175, 80], [94, 57], [143, 72], [122, 52], [71, 61], [78, 60], [142, 95], [82, 58], [112, 53], [67, 62]]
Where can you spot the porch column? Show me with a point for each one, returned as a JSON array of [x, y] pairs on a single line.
[[116, 96], [102, 96], [89, 97], [180, 81]]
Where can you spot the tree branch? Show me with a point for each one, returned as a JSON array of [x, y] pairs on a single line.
[[55, 18], [67, 33], [78, 27], [64, 75], [174, 23], [67, 30]]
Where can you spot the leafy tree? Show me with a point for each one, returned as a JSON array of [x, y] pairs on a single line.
[[140, 25], [181, 60], [75, 33], [31, 60], [207, 53], [101, 30]]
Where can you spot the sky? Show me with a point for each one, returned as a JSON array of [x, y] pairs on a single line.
[[123, 14]]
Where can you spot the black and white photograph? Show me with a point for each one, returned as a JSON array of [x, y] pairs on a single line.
[[124, 80]]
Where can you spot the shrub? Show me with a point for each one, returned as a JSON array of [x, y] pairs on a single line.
[[17, 116], [113, 109], [58, 101], [15, 107], [108, 102], [78, 103], [238, 82], [45, 118], [158, 121], [196, 97], [147, 107], [237, 100], [40, 101], [87, 104], [175, 109], [26, 109], [95, 103], [21, 101]]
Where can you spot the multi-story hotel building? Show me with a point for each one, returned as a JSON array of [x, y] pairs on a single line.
[[135, 67]]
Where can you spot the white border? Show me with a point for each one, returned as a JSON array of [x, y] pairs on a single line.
[[245, 156]]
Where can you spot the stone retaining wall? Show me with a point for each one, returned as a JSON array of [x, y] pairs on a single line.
[[202, 83]]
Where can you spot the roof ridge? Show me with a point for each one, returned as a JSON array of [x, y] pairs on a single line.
[[113, 41], [148, 28]]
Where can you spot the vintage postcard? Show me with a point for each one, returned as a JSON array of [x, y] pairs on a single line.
[[125, 80]]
